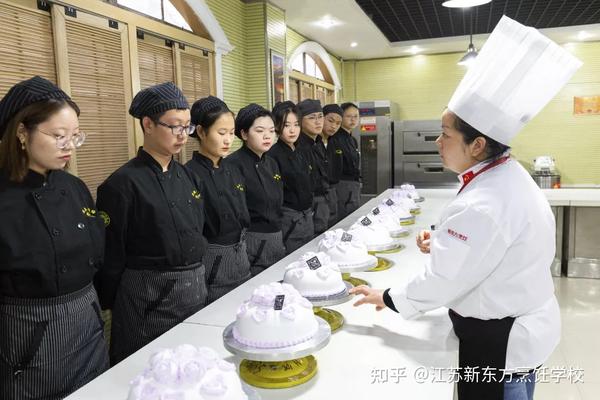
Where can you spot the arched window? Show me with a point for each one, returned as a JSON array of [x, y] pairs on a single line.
[[159, 9], [310, 79], [307, 65]]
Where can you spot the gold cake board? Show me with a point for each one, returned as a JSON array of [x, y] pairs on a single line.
[[278, 374]]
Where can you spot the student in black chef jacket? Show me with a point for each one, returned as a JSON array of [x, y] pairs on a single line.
[[226, 212], [51, 240], [263, 186], [344, 144], [332, 120], [153, 276], [310, 145], [298, 226]]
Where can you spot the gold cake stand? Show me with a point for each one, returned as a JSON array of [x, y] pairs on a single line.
[[335, 319], [282, 367]]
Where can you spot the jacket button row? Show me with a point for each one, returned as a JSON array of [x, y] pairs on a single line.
[[172, 204], [81, 225], [37, 196], [55, 232], [63, 269], [91, 261]]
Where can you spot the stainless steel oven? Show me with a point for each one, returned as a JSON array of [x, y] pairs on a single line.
[[416, 157]]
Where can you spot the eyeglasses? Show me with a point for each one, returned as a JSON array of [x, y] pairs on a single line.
[[177, 130], [62, 141]]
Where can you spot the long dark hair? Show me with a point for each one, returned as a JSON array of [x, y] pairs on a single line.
[[14, 161], [493, 148]]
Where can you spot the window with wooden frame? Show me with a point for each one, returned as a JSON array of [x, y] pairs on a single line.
[[310, 79]]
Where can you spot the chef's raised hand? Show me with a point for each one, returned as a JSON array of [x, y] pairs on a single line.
[[370, 296], [423, 241]]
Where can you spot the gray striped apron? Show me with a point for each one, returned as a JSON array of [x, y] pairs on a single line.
[[227, 267], [348, 193], [50, 347], [264, 250], [332, 202], [150, 302], [298, 228], [321, 214]]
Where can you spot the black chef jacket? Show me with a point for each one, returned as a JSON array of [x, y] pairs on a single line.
[[314, 151], [344, 144], [334, 162], [263, 187], [51, 239], [155, 220], [295, 172], [225, 209]]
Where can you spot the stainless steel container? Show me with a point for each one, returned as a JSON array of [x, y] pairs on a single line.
[[546, 179]]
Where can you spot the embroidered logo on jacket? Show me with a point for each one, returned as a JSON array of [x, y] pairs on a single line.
[[338, 151], [277, 177], [196, 194], [457, 235], [240, 187], [88, 212], [105, 217]]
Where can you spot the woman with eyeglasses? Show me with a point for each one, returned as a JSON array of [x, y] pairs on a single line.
[[263, 186], [226, 212], [153, 277], [51, 239]]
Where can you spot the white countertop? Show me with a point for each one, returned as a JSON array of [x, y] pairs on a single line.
[[369, 343]]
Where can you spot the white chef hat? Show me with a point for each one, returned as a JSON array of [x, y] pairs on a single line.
[[517, 72]]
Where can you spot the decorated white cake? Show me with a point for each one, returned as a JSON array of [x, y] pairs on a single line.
[[403, 198], [401, 208], [373, 235], [389, 220], [412, 191], [187, 373], [347, 250], [315, 275], [275, 316]]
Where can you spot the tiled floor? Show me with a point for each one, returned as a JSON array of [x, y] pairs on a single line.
[[579, 301]]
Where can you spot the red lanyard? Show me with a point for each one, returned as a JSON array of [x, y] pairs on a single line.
[[469, 176]]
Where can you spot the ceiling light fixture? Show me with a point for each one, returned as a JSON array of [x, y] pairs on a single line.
[[464, 3], [327, 22], [583, 35], [353, 44], [471, 54], [414, 50]]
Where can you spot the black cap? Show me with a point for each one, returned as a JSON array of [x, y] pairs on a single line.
[[283, 105], [333, 108], [25, 93], [309, 106], [203, 106], [157, 99], [246, 116]]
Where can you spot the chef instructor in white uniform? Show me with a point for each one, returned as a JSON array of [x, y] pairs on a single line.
[[493, 246]]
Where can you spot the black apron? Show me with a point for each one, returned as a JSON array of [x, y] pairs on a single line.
[[50, 347], [264, 250], [150, 302], [321, 214], [298, 228], [348, 193], [482, 344], [227, 267], [332, 202]]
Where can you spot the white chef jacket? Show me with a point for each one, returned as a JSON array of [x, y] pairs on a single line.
[[491, 254]]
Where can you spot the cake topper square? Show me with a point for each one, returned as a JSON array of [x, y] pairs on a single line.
[[389, 202], [313, 263], [346, 237], [366, 221], [376, 211], [278, 304]]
